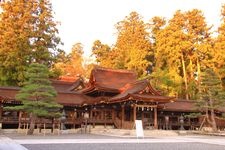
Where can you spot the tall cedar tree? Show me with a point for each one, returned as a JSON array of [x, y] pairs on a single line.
[[133, 45], [179, 47], [38, 96], [170, 50], [28, 34], [103, 54], [211, 96], [219, 50]]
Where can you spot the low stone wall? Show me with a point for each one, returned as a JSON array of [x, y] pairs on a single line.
[[123, 132]]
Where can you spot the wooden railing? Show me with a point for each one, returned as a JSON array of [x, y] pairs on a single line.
[[101, 121], [9, 120]]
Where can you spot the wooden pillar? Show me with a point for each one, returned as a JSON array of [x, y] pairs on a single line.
[[155, 118], [122, 115], [75, 115], [113, 115], [134, 113], [20, 120], [102, 115], [1, 112], [44, 129], [91, 114], [142, 114]]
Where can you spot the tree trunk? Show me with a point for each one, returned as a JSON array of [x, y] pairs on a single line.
[[191, 68], [185, 77], [214, 126], [199, 72], [32, 124], [207, 114], [213, 120]]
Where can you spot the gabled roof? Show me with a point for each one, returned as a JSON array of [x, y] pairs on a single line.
[[140, 91], [130, 88], [109, 79]]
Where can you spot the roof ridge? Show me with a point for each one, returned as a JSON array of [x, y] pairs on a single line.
[[114, 70]]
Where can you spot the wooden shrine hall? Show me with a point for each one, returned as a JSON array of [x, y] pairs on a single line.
[[110, 97]]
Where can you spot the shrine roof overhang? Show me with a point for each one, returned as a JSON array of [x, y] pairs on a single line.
[[145, 98], [96, 88], [130, 97], [7, 96], [141, 91], [180, 106], [95, 101], [8, 100], [222, 109]]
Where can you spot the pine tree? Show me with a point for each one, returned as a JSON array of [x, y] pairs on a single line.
[[38, 96], [211, 95]]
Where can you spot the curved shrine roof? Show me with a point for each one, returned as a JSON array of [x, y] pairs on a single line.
[[109, 79]]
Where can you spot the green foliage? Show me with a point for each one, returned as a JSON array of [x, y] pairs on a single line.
[[103, 54], [28, 34], [192, 89], [193, 115], [178, 46], [211, 93], [37, 95], [167, 81]]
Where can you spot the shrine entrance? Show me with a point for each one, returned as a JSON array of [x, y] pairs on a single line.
[[148, 115]]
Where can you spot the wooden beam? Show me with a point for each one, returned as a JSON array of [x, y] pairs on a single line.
[[1, 111], [155, 118], [148, 106]]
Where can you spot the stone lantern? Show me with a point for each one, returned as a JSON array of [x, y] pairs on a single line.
[[63, 120], [181, 122], [86, 117]]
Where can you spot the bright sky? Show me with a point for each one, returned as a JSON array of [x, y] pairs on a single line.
[[85, 21]]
